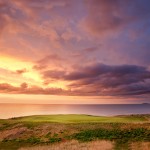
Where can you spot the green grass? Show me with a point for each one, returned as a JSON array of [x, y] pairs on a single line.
[[121, 129], [122, 138], [139, 134], [80, 119]]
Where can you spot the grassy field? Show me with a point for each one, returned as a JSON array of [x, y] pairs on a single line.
[[121, 132], [80, 118]]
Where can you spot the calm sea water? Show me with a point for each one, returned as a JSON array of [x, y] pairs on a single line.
[[16, 110]]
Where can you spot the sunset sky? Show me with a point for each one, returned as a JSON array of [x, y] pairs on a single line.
[[74, 51]]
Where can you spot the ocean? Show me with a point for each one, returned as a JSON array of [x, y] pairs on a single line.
[[17, 110]]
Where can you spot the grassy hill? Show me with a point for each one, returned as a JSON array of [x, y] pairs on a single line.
[[49, 129], [80, 119]]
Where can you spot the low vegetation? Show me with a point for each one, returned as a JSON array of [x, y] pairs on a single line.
[[139, 134], [49, 129]]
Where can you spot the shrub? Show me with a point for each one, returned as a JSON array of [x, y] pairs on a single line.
[[138, 134]]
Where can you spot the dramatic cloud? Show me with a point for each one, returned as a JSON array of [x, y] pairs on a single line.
[[24, 89], [52, 59], [102, 79], [107, 15], [95, 80], [75, 47]]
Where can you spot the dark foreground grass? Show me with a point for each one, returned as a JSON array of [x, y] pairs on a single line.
[[15, 144], [122, 138], [139, 134]]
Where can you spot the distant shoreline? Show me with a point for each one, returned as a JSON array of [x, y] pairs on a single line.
[[71, 104], [17, 110]]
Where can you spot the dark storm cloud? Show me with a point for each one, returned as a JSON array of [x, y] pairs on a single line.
[[112, 71], [94, 80], [101, 79], [135, 89]]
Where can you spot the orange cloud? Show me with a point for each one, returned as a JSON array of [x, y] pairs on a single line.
[[50, 44], [21, 71]]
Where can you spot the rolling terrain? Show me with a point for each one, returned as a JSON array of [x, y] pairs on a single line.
[[75, 132]]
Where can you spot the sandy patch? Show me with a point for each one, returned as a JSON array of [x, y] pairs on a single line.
[[140, 146], [75, 145], [12, 133]]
